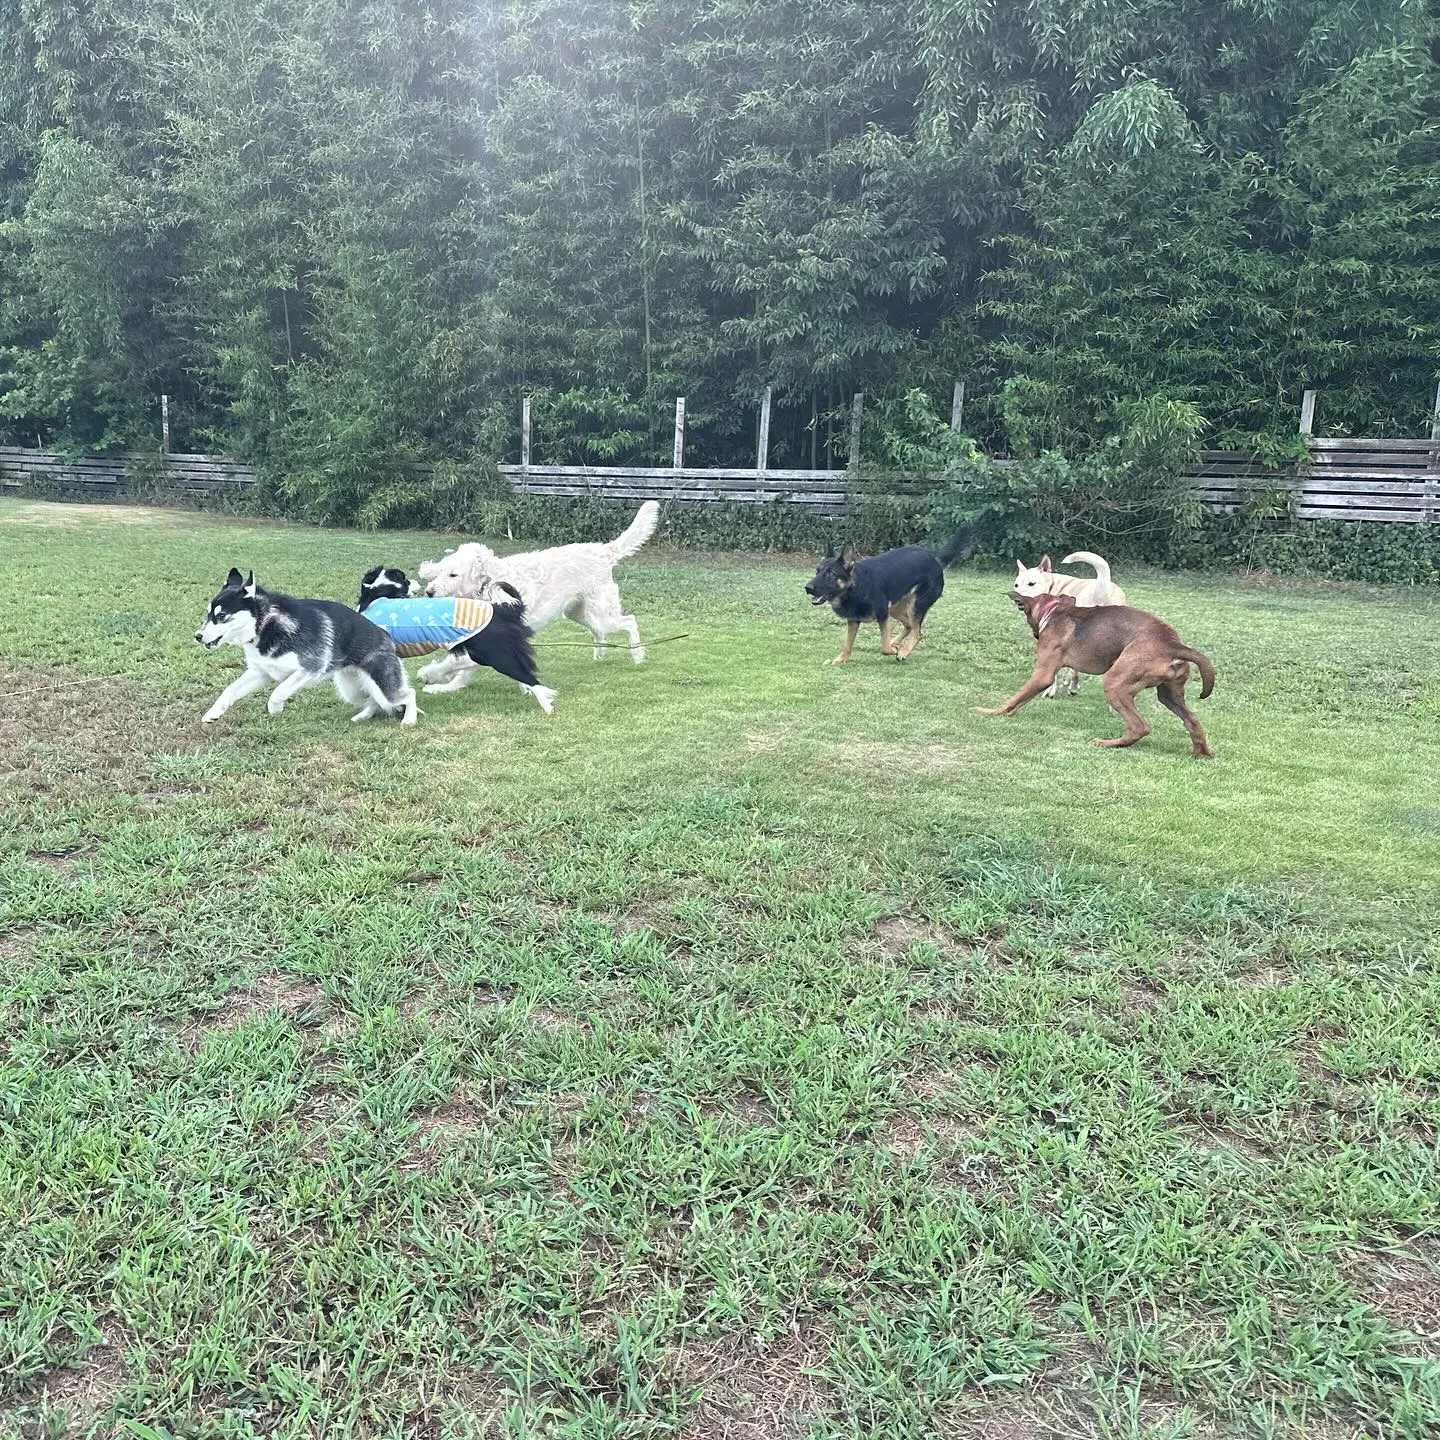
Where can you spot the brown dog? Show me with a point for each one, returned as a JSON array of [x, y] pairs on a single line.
[[1132, 649]]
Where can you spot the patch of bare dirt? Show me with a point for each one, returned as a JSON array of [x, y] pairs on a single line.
[[542, 1017], [1264, 977], [457, 1119], [774, 1394], [1141, 994], [268, 994], [61, 862], [897, 933], [908, 1134], [1218, 1140], [1404, 1287], [997, 1422], [91, 1388]]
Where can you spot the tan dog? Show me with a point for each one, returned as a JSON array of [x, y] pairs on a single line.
[[1088, 591], [1132, 649]]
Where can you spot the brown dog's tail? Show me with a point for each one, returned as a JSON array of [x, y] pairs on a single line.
[[1186, 657]]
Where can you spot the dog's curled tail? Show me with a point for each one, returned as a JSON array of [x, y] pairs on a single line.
[[637, 532], [1096, 562], [1185, 657], [960, 546]]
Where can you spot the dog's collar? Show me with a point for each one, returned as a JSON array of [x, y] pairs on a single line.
[[1046, 611]]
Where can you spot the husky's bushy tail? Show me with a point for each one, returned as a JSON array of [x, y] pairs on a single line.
[[636, 533]]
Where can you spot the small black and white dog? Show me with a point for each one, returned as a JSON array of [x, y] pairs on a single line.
[[902, 584], [295, 644], [503, 644]]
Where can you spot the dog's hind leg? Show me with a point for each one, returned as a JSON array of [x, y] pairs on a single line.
[[1123, 682], [601, 615], [444, 677], [542, 695], [388, 690], [352, 692], [903, 610], [1171, 694]]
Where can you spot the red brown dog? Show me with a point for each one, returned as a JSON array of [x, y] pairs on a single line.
[[1132, 649]]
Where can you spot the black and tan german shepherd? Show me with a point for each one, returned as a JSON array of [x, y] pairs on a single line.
[[901, 584]]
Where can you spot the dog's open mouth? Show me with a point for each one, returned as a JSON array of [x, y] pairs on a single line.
[[817, 599]]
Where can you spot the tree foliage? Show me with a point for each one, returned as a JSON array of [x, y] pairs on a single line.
[[345, 235]]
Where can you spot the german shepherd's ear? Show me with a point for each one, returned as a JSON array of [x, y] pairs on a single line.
[[847, 554], [234, 580], [1044, 564]]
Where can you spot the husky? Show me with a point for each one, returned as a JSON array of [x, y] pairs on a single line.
[[575, 581], [296, 644], [488, 630]]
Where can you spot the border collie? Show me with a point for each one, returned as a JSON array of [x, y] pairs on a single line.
[[490, 633]]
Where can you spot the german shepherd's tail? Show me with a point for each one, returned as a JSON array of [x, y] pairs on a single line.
[[960, 546], [636, 533], [1185, 657]]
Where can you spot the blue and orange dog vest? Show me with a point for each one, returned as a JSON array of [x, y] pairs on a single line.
[[422, 626]]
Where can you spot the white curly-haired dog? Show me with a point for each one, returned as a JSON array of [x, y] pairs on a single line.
[[570, 580]]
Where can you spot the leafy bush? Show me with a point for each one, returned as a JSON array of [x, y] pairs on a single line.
[[1128, 495]]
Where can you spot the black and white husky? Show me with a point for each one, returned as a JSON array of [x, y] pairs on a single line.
[[294, 644]]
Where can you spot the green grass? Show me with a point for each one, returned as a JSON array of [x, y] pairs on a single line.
[[749, 1049]]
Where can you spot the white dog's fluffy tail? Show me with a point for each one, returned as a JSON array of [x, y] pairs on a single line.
[[1102, 569], [636, 533]]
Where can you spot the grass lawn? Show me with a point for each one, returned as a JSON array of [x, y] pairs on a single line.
[[751, 1049]]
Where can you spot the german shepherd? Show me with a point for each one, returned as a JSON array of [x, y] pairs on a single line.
[[902, 584]]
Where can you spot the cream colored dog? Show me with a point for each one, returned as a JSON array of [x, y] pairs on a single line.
[[1088, 590]]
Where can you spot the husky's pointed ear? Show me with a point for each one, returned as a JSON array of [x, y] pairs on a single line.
[[250, 586], [1044, 564], [234, 580]]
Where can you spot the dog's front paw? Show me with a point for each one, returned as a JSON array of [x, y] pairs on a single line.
[[274, 706], [211, 716], [838, 660], [987, 710]]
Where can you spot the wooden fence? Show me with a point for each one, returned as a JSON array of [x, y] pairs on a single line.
[[1386, 480], [43, 470]]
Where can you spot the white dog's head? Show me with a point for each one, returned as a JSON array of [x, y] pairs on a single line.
[[463, 572], [1033, 579]]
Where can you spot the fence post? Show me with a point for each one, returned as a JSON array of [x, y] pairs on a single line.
[[679, 432], [957, 406], [762, 451], [165, 424], [1307, 413], [857, 408], [1432, 466], [525, 436]]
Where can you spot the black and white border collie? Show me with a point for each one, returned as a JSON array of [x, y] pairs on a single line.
[[503, 645]]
